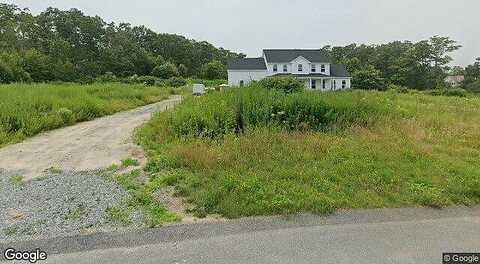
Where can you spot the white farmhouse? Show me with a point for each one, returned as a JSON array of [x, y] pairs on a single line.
[[311, 66]]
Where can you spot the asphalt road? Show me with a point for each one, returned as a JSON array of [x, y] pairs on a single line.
[[382, 236]]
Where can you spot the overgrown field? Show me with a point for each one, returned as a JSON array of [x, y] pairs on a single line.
[[258, 152], [26, 110]]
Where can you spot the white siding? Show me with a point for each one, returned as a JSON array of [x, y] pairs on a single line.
[[236, 76]]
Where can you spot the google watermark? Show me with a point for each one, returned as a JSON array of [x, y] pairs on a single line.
[[31, 256], [461, 258]]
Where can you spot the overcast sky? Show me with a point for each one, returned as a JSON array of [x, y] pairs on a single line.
[[248, 26]]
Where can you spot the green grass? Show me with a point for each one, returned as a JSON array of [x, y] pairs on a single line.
[[28, 109], [16, 180], [140, 198], [130, 163], [252, 152]]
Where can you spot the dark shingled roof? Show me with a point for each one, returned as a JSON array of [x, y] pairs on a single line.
[[338, 70], [247, 64], [288, 55]]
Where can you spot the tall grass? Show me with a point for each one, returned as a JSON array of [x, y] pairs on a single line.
[[236, 110], [26, 110], [359, 149]]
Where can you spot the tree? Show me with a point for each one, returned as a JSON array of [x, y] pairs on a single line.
[[165, 71], [182, 70], [214, 70], [472, 72], [368, 78]]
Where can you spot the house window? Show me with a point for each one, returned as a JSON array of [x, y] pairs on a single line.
[[334, 84], [275, 67], [314, 84], [344, 84], [285, 69], [314, 68], [300, 67], [324, 84], [242, 83], [322, 68]]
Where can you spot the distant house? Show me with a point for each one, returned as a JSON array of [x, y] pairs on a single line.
[[311, 66], [455, 80]]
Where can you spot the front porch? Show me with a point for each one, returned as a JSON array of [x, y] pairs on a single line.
[[322, 84]]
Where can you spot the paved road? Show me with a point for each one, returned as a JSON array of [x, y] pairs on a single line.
[[370, 236], [85, 146]]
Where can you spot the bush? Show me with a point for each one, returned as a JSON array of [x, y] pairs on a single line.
[[459, 92], [473, 87], [85, 80], [107, 77], [284, 84], [6, 74], [368, 78], [147, 80], [213, 70], [165, 71], [456, 92], [176, 82]]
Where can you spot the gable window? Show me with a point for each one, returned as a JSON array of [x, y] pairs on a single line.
[[300, 67], [314, 68], [275, 67], [344, 84], [322, 68], [314, 84], [285, 69]]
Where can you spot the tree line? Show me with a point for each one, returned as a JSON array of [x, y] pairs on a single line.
[[417, 65], [59, 45], [71, 46]]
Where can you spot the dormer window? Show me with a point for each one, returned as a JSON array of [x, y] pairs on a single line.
[[275, 67], [322, 69], [314, 68], [285, 68], [300, 67]]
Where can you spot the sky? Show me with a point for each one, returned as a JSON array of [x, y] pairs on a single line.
[[248, 26]]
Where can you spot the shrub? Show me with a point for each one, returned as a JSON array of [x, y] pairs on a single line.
[[456, 92], [368, 78], [284, 84], [447, 92], [213, 70], [473, 87], [85, 80], [176, 82], [6, 74], [147, 80], [165, 71], [107, 77]]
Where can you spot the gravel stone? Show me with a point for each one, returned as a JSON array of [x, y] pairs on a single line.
[[59, 204]]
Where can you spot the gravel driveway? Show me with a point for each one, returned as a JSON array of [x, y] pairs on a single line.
[[49, 184]]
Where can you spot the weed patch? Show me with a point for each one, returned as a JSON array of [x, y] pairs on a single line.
[[258, 152]]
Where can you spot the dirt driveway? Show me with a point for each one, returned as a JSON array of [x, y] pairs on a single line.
[[86, 146]]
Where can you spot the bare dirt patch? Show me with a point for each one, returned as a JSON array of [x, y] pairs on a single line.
[[86, 146]]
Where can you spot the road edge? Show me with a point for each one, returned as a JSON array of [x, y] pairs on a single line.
[[181, 232]]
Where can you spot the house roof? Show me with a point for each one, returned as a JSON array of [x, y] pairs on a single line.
[[247, 64], [288, 55]]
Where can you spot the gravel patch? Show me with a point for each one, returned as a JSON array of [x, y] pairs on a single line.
[[59, 204]]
